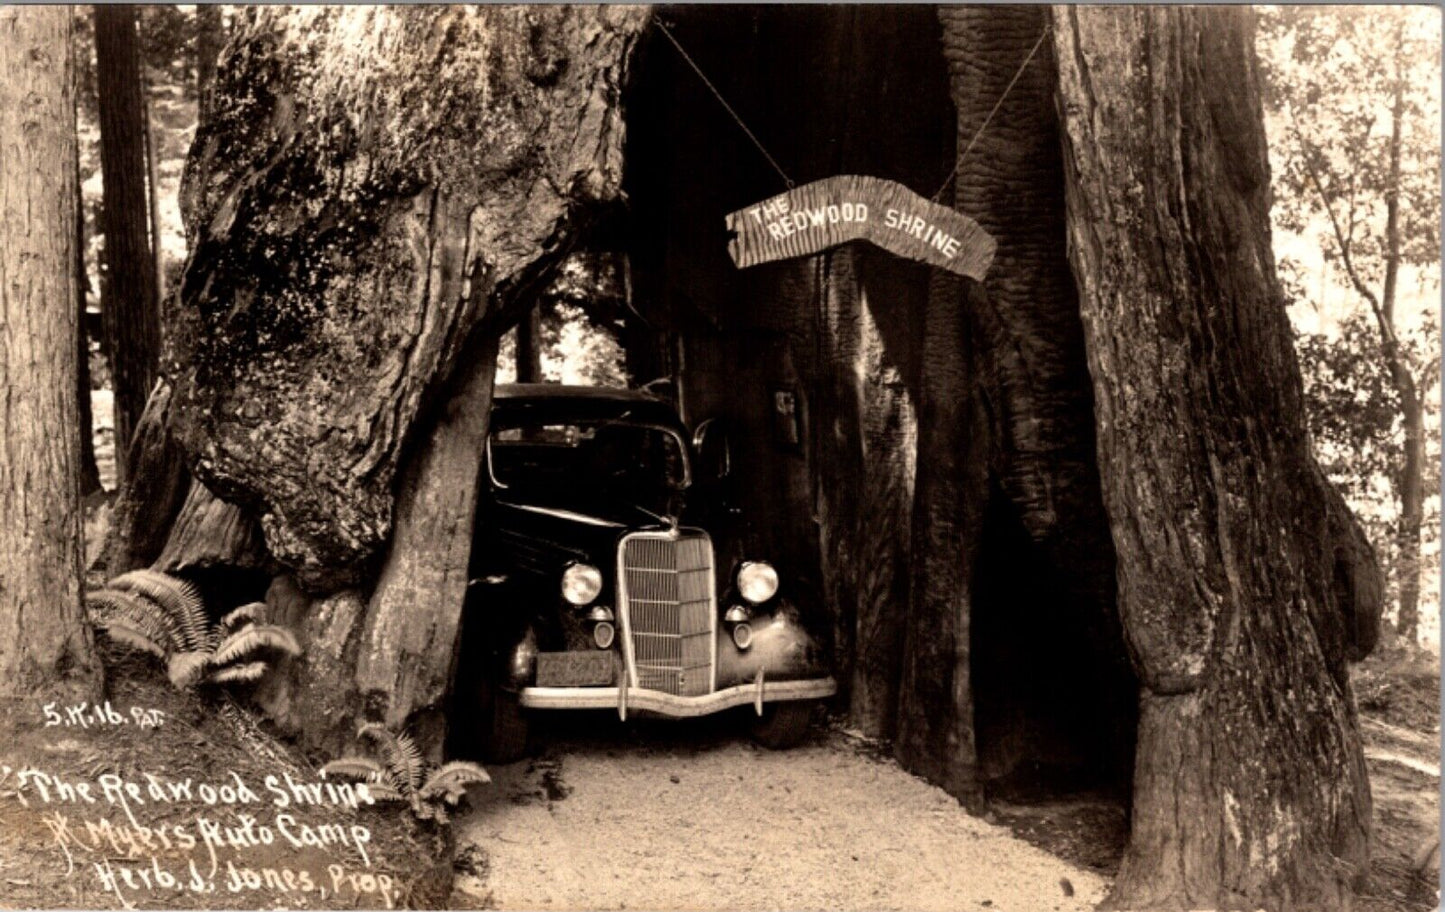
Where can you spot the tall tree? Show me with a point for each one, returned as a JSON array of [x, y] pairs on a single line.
[[45, 645], [1354, 417], [529, 346], [209, 37], [1357, 95], [89, 471], [153, 206], [1244, 583], [130, 314]]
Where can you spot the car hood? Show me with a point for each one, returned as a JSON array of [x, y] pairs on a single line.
[[555, 532], [615, 516]]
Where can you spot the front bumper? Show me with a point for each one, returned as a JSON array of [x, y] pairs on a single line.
[[624, 698]]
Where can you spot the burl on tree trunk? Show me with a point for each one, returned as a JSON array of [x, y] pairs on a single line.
[[1244, 584]]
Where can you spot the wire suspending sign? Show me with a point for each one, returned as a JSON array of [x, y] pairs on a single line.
[[823, 214]]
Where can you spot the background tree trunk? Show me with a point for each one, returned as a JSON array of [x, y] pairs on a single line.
[[129, 312], [89, 471], [1412, 504], [153, 206], [1244, 584], [46, 647], [209, 38], [529, 346], [1412, 411]]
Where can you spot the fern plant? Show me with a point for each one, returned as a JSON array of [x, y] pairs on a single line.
[[156, 613], [401, 774]]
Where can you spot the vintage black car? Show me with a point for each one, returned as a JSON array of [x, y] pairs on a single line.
[[596, 584]]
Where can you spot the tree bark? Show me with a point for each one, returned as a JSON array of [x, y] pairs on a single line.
[[865, 445], [1015, 652], [153, 206], [129, 314], [150, 498], [347, 148], [209, 532], [313, 695], [936, 732], [46, 647], [1244, 585], [409, 631]]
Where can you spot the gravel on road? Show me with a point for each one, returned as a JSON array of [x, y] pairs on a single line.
[[692, 815]]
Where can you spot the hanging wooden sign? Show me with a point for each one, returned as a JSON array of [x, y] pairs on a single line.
[[852, 207]]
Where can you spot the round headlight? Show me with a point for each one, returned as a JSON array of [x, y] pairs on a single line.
[[581, 583], [757, 581]]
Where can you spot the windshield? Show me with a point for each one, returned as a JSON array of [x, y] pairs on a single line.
[[588, 458]]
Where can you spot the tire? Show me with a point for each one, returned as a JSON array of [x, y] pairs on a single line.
[[783, 725], [502, 733]]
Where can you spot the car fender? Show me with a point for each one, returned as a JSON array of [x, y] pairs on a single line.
[[782, 648]]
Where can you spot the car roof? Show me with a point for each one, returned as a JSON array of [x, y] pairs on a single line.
[[561, 400], [570, 391]]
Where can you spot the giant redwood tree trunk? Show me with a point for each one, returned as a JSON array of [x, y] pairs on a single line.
[[46, 648], [1244, 584], [406, 663], [1014, 652], [370, 184], [371, 194], [865, 445], [130, 314]]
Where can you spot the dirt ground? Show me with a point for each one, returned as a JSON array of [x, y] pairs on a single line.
[[659, 815], [1398, 693], [692, 815]]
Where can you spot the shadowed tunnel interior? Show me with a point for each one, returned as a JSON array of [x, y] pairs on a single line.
[[828, 91]]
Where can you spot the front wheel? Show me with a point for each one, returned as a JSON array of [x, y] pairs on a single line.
[[502, 732], [783, 725]]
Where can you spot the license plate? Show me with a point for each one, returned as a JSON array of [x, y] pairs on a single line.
[[582, 668]]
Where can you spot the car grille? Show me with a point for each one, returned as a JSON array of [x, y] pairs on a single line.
[[668, 601]]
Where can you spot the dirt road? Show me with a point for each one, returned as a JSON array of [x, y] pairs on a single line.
[[694, 816]]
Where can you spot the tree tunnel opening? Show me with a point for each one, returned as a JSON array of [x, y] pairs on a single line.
[[818, 366], [571, 331], [1054, 701]]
